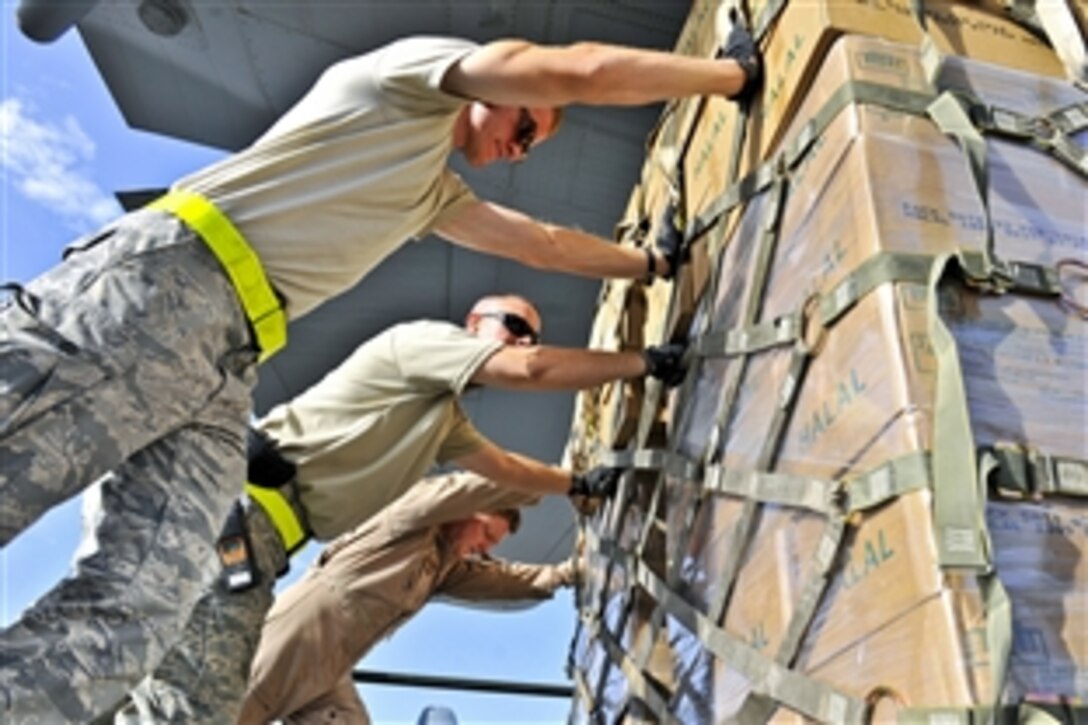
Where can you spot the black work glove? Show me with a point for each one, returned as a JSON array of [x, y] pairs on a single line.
[[741, 47], [266, 467], [670, 241], [666, 363], [599, 482]]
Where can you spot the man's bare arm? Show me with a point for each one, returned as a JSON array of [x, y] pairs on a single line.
[[541, 367], [519, 73], [517, 471], [494, 229]]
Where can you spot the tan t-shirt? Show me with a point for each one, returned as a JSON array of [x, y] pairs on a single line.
[[352, 171], [374, 426]]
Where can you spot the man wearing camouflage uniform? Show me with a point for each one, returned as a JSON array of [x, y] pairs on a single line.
[[369, 581], [358, 439], [139, 349]]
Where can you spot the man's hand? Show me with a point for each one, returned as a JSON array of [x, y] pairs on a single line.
[[670, 241], [741, 47], [599, 482], [666, 363], [570, 572]]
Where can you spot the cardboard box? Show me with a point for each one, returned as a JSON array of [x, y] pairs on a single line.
[[878, 181], [796, 61], [800, 38], [919, 656], [876, 369]]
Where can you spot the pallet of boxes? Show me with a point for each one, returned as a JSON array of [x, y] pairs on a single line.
[[868, 502]]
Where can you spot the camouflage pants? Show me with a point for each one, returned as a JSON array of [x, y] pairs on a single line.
[[203, 677], [132, 356]]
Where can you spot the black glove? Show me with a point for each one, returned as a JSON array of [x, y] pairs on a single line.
[[666, 363], [267, 468], [670, 241], [599, 482], [741, 47]]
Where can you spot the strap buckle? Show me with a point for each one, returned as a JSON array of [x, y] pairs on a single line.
[[1021, 472]]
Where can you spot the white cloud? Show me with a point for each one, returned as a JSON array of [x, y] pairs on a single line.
[[49, 163]]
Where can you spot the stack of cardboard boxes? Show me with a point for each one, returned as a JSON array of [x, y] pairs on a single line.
[[894, 624]]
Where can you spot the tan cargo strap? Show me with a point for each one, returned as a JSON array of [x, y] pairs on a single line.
[[293, 531], [637, 682], [949, 112], [1067, 121], [1020, 714], [827, 553], [959, 492], [240, 262], [878, 269], [646, 459], [784, 330], [1057, 21], [767, 677], [583, 693], [952, 115], [932, 58], [1025, 472], [752, 305], [767, 15], [1051, 132], [796, 148], [958, 495], [861, 492]]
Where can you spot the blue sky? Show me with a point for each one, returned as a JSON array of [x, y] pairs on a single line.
[[65, 150]]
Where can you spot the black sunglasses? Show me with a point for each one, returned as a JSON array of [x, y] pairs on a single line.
[[518, 326], [525, 131]]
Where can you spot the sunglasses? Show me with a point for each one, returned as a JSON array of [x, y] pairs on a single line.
[[518, 326], [525, 131]]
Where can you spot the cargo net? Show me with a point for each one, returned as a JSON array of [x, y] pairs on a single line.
[[866, 502]]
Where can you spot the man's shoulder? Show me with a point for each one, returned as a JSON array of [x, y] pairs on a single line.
[[426, 327]]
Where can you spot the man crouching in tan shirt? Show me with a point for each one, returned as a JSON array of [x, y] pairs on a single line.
[[370, 580]]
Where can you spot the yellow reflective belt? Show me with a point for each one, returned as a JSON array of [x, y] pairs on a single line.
[[240, 262], [279, 510]]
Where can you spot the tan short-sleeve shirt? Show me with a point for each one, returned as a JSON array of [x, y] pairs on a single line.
[[374, 426], [352, 171]]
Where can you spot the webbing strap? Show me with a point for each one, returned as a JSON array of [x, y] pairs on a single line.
[[240, 262], [784, 330], [1024, 713], [781, 489], [911, 472], [1065, 121], [950, 115], [766, 677], [652, 459], [907, 473], [636, 681], [875, 271], [745, 525], [1052, 132], [581, 687], [753, 302], [958, 496], [1026, 472], [1064, 35], [931, 56], [282, 515], [795, 149], [767, 15], [827, 551]]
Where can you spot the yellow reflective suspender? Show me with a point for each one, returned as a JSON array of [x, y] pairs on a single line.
[[279, 511], [240, 262]]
